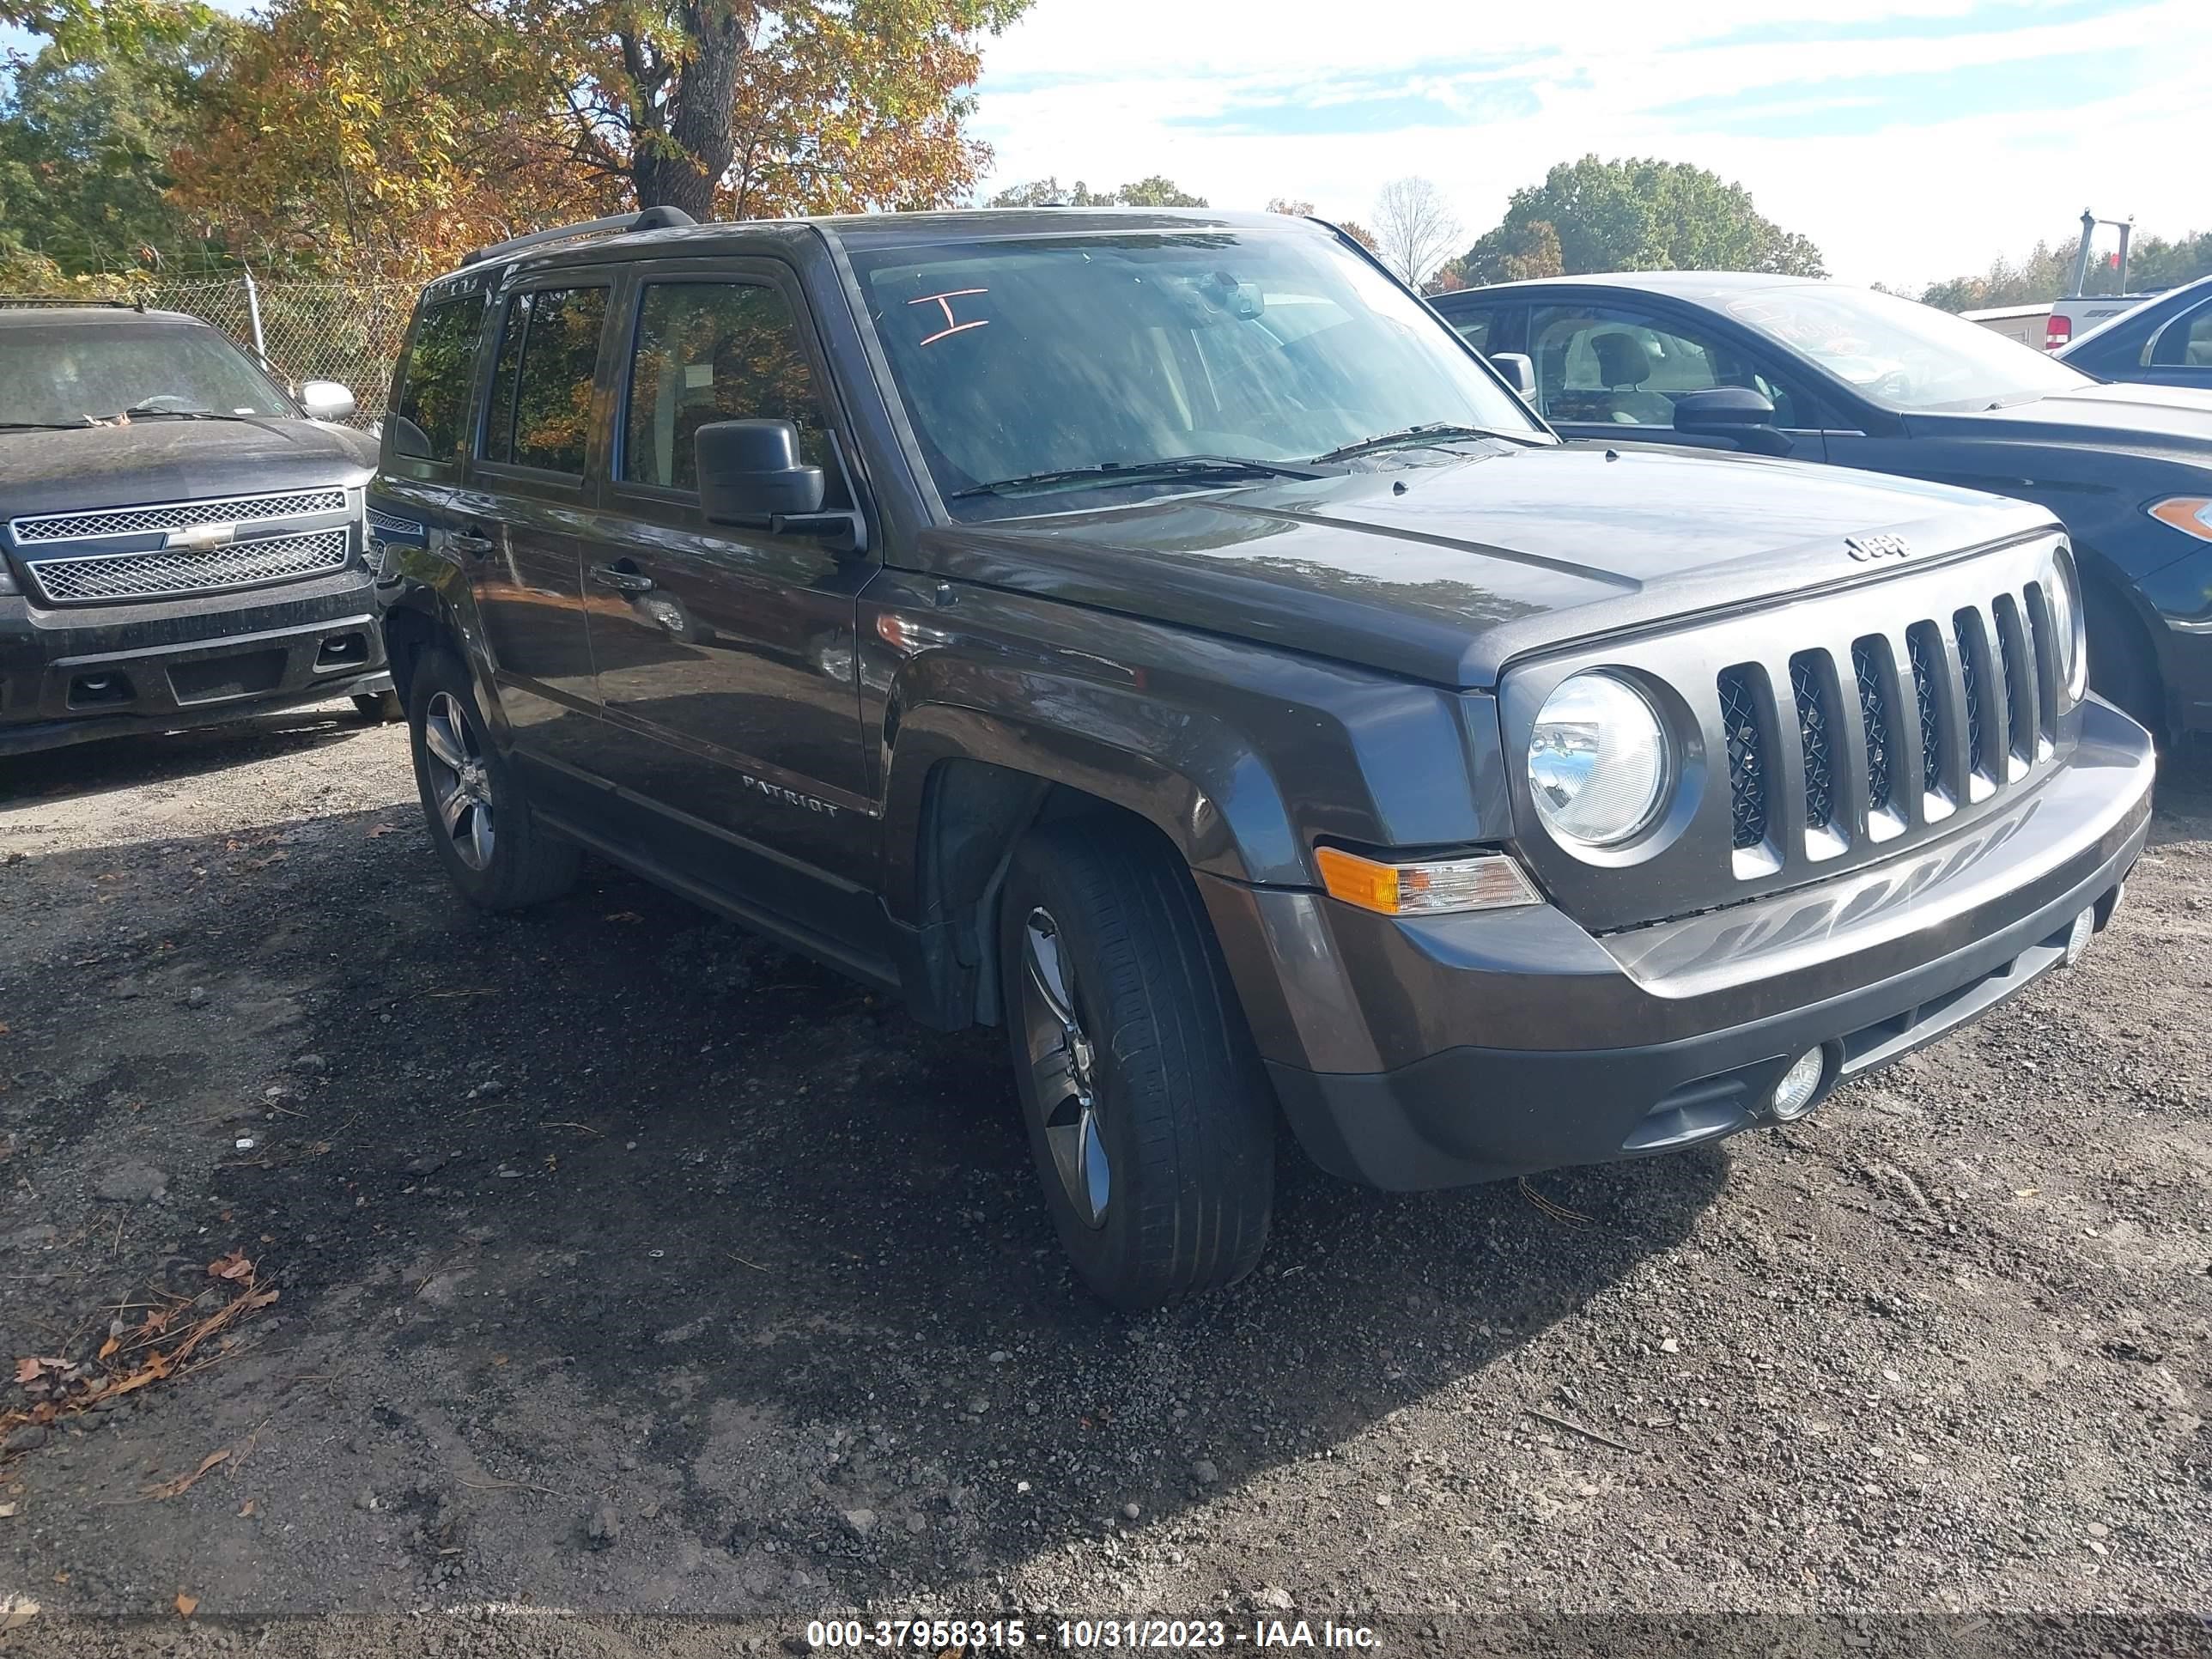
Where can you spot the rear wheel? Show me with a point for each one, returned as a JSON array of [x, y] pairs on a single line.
[[1151, 1120], [480, 821]]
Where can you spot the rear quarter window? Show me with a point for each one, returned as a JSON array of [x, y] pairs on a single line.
[[430, 407]]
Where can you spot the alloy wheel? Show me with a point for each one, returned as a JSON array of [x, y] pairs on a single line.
[[461, 784], [1063, 1070]]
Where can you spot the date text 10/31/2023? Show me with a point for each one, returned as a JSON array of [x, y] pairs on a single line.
[[937, 1635]]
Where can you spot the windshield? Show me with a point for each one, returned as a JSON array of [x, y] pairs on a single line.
[[63, 375], [1904, 354], [1022, 358]]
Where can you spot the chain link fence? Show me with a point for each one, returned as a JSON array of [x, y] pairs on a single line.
[[348, 332]]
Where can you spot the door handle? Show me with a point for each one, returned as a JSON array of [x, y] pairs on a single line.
[[470, 543], [621, 580]]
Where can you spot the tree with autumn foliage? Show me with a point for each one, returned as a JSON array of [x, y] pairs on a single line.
[[399, 133]]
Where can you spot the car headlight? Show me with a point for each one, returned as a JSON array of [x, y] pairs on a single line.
[[2062, 591], [1598, 760], [2190, 514]]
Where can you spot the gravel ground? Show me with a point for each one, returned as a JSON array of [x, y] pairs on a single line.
[[628, 1267]]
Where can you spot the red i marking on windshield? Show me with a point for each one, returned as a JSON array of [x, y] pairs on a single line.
[[952, 326]]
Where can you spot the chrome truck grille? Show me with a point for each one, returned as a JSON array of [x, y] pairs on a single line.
[[105, 578], [175, 548], [1820, 734]]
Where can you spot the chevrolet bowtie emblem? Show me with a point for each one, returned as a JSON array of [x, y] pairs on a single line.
[[199, 538], [1867, 548]]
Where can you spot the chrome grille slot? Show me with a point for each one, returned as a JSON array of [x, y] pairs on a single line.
[[2044, 651], [1877, 676], [1926, 647], [105, 578], [2017, 666], [1985, 702], [1815, 737], [175, 515], [1747, 757]]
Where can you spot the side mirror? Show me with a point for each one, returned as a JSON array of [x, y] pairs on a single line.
[[325, 400], [1520, 372], [1732, 411], [750, 475]]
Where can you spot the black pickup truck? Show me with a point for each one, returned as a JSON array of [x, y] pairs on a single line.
[[181, 542], [1159, 634]]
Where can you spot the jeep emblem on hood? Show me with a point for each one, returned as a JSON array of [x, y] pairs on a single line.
[[1867, 548]]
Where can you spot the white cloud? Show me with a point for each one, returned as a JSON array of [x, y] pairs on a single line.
[[1079, 89]]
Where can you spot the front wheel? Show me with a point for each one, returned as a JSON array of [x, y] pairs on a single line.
[[1149, 1118], [494, 850]]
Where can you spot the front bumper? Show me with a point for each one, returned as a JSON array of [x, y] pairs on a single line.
[[70, 675], [1465, 1048]]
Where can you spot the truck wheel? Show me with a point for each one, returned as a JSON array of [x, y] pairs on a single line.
[[1149, 1114], [480, 822], [381, 707]]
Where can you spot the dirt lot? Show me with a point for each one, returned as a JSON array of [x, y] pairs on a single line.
[[627, 1265]]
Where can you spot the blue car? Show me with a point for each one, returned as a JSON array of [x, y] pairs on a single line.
[[2166, 341], [1817, 371]]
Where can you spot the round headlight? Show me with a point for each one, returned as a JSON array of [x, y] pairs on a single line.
[[2063, 594], [1597, 761]]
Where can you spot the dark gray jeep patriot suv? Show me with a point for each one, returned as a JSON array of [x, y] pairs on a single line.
[[180, 541], [1157, 635]]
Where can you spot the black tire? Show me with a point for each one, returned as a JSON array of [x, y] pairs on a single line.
[[2123, 668], [503, 860], [381, 707], [1183, 1112]]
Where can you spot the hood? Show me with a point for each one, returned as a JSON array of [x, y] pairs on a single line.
[[1445, 574], [148, 461], [2124, 416]]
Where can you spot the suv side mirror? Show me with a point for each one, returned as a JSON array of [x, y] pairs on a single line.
[[325, 400], [1732, 411], [749, 473], [1520, 372]]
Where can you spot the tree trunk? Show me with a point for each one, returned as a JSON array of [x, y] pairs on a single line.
[[679, 159]]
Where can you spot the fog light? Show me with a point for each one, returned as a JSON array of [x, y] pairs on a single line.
[[1793, 1096], [2077, 936]]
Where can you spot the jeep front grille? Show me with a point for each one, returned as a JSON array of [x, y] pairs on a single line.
[[107, 577], [1981, 681], [175, 515]]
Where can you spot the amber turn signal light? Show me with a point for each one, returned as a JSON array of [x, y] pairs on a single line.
[[1485, 881]]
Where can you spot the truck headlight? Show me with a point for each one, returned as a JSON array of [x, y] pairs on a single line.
[[1598, 760], [2062, 592]]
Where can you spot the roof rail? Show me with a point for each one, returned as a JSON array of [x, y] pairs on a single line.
[[39, 301], [654, 218]]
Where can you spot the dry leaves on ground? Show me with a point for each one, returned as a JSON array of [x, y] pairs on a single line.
[[186, 1605]]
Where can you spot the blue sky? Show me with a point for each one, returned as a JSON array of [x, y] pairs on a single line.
[[1911, 139]]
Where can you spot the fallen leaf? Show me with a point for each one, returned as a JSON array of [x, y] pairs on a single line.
[[155, 1321], [4, 1030], [247, 1507], [183, 1483], [16, 1611], [186, 1605], [26, 1372], [110, 1346], [233, 1266], [7, 1511]]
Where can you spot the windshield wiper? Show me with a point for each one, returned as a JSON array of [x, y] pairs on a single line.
[[41, 426], [1191, 467], [141, 411], [1428, 432]]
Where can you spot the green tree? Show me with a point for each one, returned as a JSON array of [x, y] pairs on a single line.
[[2047, 271], [86, 136], [1635, 215], [1155, 191]]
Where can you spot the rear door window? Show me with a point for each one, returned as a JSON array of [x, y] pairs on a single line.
[[1617, 367], [540, 414], [429, 420], [2186, 342]]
